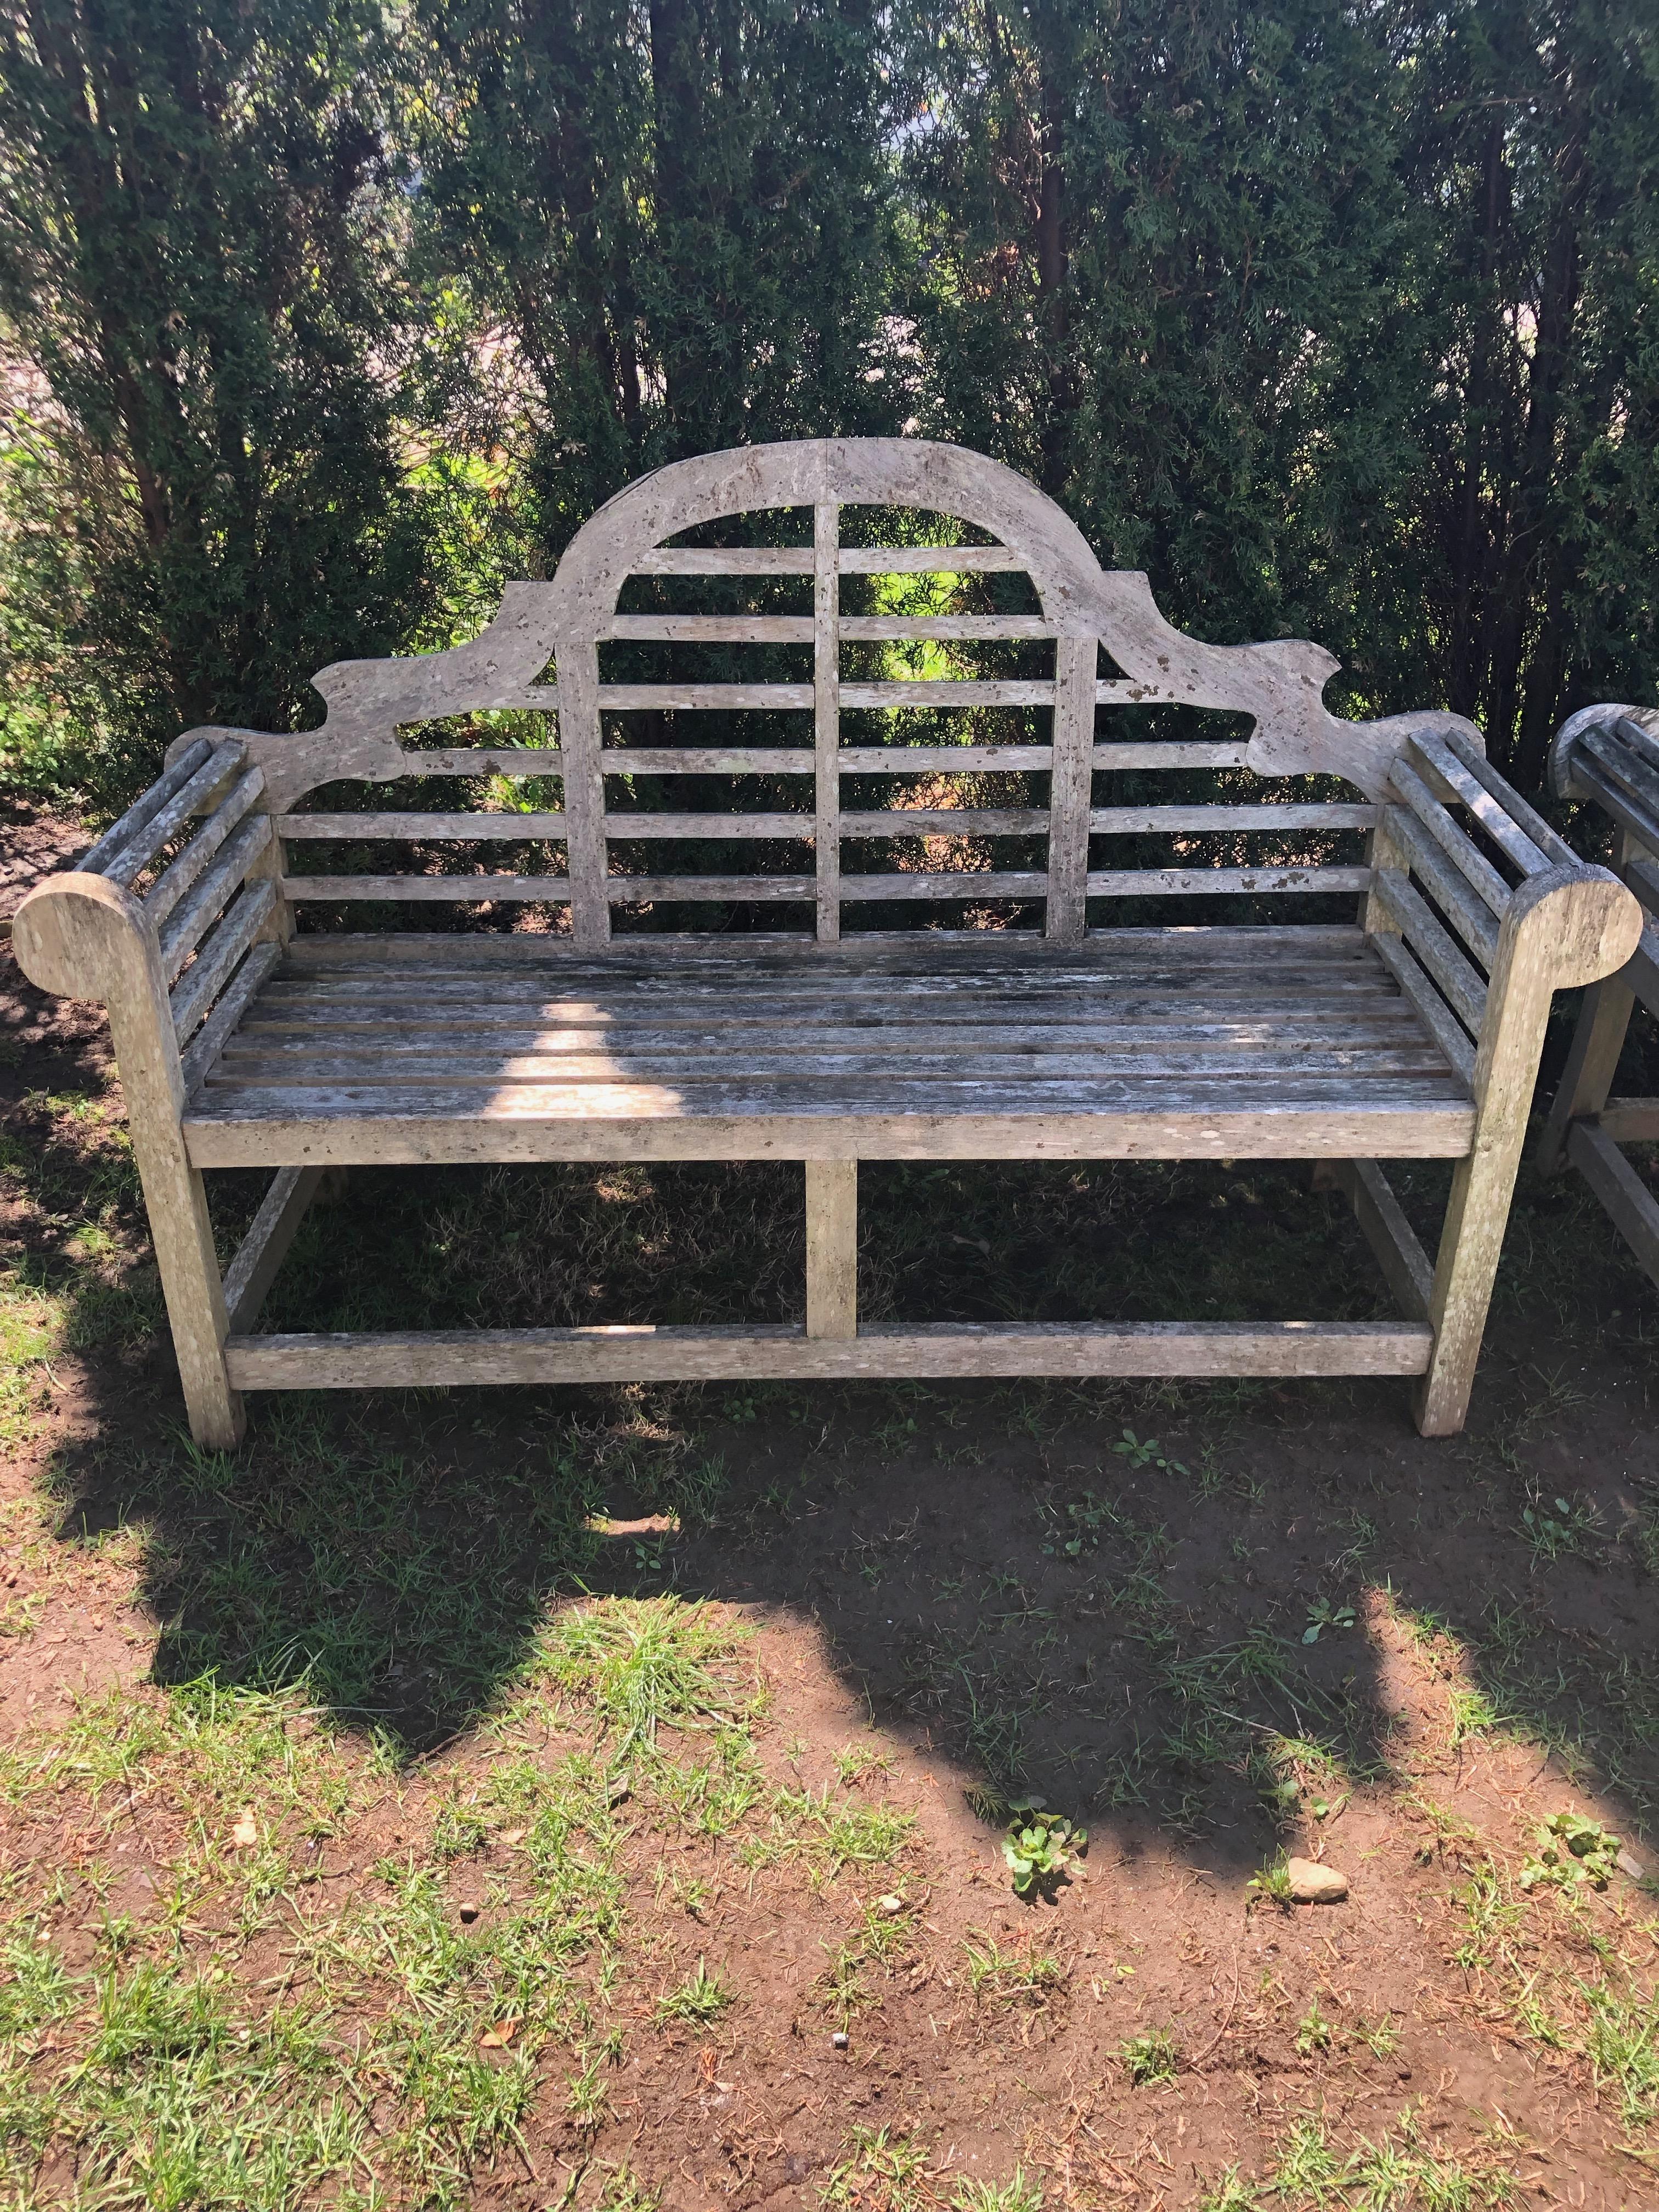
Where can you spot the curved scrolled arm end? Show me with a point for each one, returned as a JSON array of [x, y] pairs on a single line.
[[81, 936], [1586, 923]]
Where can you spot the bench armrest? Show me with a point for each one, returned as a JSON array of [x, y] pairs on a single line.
[[159, 958], [1468, 877]]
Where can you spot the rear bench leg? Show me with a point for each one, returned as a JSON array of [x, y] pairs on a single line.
[[832, 1247], [1592, 1063]]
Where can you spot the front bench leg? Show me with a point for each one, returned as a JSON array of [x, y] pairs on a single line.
[[1557, 933], [85, 938]]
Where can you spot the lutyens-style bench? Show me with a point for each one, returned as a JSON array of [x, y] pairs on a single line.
[[869, 576], [1608, 756]]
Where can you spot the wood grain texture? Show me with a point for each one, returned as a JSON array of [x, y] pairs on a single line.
[[1405, 1266], [1075, 661], [826, 718], [205, 789], [1631, 1120], [463, 1357], [183, 873], [1438, 1018], [84, 937], [1629, 1204], [243, 925], [1565, 927], [1459, 981], [186, 760], [832, 1249], [233, 1002], [260, 1255]]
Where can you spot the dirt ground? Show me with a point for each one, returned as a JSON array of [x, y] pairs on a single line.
[[1208, 1626]]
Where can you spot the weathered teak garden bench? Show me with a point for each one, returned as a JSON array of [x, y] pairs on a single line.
[[1609, 756], [1411, 1030]]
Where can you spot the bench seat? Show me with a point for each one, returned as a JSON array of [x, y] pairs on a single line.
[[1222, 1043]]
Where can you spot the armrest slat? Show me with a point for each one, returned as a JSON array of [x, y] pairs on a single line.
[[192, 997], [1494, 816], [212, 896], [1457, 978], [1550, 843], [203, 787], [1473, 922], [1589, 778], [187, 868], [1641, 742], [1470, 862], [234, 1003], [1414, 983], [1614, 758], [143, 810]]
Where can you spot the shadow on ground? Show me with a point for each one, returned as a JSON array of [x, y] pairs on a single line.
[[1168, 1611]]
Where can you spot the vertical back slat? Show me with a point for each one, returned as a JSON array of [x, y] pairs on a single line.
[[1075, 662], [826, 713], [584, 792]]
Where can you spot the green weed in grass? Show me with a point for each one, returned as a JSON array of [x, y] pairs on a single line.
[[1313, 2031], [645, 1663], [1151, 2057], [829, 1832], [1017, 2194], [1271, 1883], [884, 1934], [697, 2001], [1394, 2173], [879, 2171], [1024, 1976], [1041, 1848]]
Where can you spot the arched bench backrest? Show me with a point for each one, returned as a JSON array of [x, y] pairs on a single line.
[[1017, 529]]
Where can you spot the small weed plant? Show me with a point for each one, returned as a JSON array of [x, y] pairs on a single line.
[[1041, 1848], [1017, 2194], [698, 2001], [1571, 1850], [1150, 2058]]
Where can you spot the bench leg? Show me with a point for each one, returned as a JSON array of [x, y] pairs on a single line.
[[832, 1247], [1556, 930], [176, 1201], [1592, 1063]]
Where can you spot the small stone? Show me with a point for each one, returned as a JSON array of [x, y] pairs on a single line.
[[1314, 1884], [891, 1903], [469, 1912], [841, 2040], [1630, 1865]]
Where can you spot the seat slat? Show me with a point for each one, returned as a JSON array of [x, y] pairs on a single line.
[[305, 1034], [252, 1070]]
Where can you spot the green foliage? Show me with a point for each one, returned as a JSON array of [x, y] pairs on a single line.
[[203, 492], [697, 2001], [1571, 1849], [1153, 2057], [326, 314]]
